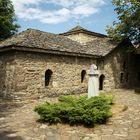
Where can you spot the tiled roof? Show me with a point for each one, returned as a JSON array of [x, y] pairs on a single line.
[[101, 46], [35, 39]]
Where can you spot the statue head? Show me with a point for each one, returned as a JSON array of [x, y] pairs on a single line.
[[93, 67]]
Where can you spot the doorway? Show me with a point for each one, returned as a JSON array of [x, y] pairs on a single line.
[[101, 82]]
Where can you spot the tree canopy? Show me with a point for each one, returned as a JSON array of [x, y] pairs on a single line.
[[8, 25], [128, 24]]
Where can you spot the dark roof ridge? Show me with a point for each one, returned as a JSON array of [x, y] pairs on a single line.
[[78, 29]]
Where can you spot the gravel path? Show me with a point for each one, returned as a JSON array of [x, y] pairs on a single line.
[[19, 122]]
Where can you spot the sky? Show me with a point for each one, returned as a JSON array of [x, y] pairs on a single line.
[[58, 16]]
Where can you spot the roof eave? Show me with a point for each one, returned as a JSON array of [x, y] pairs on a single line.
[[40, 50]]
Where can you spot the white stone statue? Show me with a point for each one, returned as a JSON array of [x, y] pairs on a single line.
[[93, 84]]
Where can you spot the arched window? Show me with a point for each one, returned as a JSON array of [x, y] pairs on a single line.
[[124, 65], [48, 77], [121, 77], [101, 82], [83, 74], [138, 76], [127, 77]]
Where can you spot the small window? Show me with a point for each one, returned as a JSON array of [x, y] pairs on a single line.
[[83, 74], [121, 77], [138, 76], [127, 77], [124, 66], [48, 77]]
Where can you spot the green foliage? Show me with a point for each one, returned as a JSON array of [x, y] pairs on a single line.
[[128, 25], [8, 26], [74, 110]]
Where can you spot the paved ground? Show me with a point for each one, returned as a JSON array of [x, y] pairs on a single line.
[[18, 122]]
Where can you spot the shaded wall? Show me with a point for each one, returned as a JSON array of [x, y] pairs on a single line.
[[117, 68], [136, 71], [7, 65]]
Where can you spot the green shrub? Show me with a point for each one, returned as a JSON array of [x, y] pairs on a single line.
[[74, 110]]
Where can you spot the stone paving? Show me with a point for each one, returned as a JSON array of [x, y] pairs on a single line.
[[19, 122]]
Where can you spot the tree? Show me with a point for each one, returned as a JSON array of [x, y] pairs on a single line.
[[128, 24], [8, 26]]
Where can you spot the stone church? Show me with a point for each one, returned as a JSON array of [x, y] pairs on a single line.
[[36, 64]]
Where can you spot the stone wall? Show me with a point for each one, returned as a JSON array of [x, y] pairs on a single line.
[[29, 75], [82, 38], [113, 65], [23, 73], [6, 74]]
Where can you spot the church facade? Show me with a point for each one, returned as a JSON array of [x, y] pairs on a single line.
[[36, 64]]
